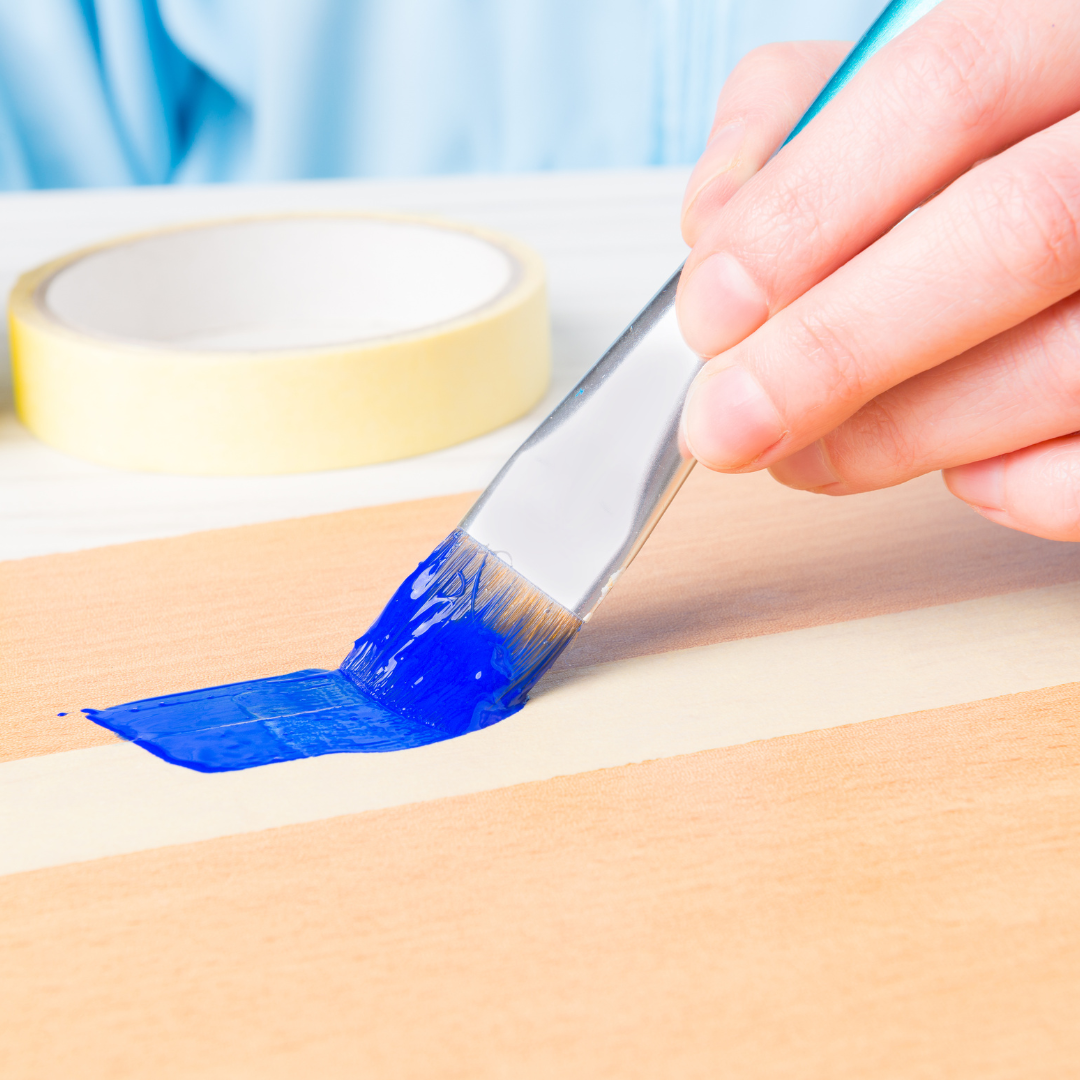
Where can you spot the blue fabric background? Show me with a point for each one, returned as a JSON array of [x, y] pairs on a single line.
[[111, 92]]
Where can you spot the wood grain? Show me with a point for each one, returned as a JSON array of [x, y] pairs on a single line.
[[895, 899], [734, 557]]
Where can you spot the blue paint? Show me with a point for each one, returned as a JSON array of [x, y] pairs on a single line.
[[261, 721], [456, 649], [61, 714], [461, 641]]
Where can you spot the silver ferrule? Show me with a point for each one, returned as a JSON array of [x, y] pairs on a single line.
[[571, 508]]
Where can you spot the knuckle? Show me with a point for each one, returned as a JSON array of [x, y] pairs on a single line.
[[1027, 208], [770, 68], [960, 62], [1057, 343], [773, 83], [763, 60], [1050, 190], [839, 365], [876, 445], [794, 228]]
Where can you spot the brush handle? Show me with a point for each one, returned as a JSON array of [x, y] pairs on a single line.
[[572, 507]]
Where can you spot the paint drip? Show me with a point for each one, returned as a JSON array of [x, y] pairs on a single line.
[[456, 649]]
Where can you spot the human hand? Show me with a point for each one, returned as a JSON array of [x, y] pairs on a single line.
[[853, 346]]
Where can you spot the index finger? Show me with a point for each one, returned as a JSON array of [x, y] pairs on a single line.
[[967, 81]]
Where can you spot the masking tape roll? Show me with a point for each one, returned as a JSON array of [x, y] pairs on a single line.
[[282, 344]]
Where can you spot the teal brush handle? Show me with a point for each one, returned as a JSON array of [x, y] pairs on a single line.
[[894, 20]]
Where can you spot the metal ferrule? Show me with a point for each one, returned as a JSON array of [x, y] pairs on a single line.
[[572, 507]]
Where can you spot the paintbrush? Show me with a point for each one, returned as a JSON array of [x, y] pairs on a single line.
[[468, 634], [470, 631]]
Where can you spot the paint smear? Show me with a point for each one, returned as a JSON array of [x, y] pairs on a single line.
[[456, 649]]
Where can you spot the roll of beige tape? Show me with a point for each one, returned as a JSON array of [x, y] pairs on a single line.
[[283, 344]]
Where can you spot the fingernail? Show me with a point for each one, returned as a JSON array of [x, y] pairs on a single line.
[[982, 483], [720, 305], [806, 469], [728, 419], [719, 157]]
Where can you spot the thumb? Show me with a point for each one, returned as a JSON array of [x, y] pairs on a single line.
[[761, 102]]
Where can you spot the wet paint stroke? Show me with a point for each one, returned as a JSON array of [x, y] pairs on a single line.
[[456, 649]]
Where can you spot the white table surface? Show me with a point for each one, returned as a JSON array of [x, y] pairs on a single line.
[[609, 240]]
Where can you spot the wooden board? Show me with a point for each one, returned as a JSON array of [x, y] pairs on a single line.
[[896, 898], [734, 557]]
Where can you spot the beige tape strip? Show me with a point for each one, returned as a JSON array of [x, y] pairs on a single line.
[[86, 804]]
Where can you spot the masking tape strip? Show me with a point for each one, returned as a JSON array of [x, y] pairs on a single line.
[[111, 800], [280, 344]]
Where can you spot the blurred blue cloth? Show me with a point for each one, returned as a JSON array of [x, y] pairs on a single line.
[[112, 92]]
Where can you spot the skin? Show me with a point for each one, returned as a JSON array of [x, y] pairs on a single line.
[[852, 344]]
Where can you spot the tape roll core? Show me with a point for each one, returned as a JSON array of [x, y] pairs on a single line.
[[284, 344]]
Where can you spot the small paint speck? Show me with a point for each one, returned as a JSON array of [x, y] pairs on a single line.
[[478, 674], [61, 714]]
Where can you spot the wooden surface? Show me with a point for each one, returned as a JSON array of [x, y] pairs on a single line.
[[734, 557], [898, 899]]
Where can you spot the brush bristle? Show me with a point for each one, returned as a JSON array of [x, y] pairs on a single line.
[[462, 640]]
